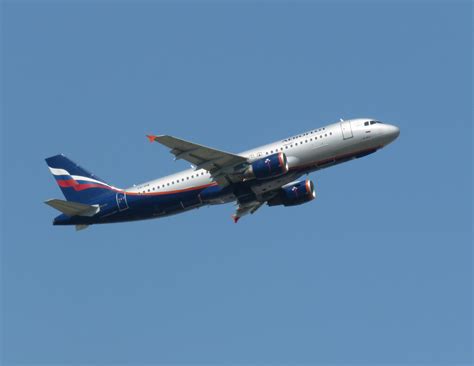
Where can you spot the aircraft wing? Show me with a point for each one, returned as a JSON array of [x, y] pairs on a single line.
[[263, 193], [219, 163], [246, 208]]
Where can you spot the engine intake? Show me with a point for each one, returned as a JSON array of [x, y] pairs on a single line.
[[294, 194], [268, 167]]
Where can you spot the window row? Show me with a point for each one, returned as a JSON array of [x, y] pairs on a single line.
[[156, 188], [300, 143], [306, 134]]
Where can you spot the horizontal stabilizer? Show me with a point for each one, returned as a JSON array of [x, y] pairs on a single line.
[[73, 208]]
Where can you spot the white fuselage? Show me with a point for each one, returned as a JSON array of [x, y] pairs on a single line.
[[306, 152]]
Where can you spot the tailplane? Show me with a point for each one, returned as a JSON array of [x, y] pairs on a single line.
[[73, 208], [77, 184]]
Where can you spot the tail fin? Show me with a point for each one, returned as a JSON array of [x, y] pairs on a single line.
[[77, 184]]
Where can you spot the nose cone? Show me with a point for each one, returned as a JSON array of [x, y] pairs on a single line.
[[391, 132]]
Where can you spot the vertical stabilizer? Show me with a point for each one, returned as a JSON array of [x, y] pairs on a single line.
[[76, 183]]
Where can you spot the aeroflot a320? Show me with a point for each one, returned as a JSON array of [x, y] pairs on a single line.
[[270, 174]]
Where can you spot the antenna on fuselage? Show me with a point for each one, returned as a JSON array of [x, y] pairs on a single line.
[[341, 119]]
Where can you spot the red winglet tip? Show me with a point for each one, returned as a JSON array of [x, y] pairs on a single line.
[[151, 137], [235, 218]]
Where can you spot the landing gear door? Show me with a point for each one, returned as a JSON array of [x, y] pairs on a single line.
[[346, 130], [122, 201]]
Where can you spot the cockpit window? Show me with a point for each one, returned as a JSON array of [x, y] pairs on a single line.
[[374, 122], [366, 123]]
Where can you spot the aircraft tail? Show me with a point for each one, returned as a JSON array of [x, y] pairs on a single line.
[[76, 183]]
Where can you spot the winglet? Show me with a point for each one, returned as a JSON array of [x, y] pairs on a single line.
[[235, 218], [151, 137]]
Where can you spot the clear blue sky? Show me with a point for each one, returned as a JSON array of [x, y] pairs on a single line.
[[378, 269]]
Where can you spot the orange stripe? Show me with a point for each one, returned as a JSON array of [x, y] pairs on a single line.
[[171, 192], [281, 158]]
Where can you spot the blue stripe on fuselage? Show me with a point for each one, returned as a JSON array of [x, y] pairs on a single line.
[[143, 206]]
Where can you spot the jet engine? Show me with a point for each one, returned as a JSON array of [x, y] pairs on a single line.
[[294, 194], [268, 167]]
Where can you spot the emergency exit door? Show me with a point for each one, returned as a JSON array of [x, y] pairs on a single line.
[[346, 130]]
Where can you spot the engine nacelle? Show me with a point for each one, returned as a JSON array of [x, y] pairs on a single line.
[[268, 167], [294, 194]]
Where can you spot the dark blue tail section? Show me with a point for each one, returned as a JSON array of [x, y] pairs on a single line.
[[77, 184]]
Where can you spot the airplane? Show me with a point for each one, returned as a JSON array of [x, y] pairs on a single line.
[[268, 174]]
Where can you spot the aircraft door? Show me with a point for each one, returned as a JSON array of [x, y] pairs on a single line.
[[122, 201], [346, 130]]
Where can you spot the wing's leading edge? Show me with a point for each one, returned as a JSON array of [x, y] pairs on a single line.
[[220, 164]]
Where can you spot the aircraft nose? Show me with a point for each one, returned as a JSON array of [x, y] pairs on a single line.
[[392, 132]]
